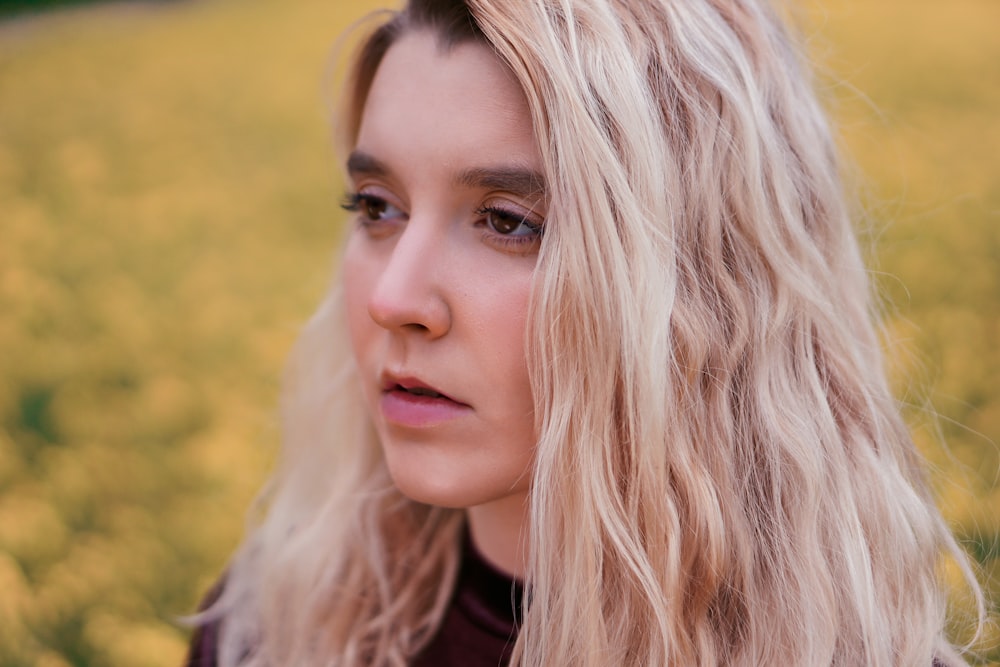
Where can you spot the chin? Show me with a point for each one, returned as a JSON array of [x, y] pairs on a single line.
[[438, 490], [451, 489]]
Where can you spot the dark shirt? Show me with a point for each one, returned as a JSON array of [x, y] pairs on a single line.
[[203, 651], [479, 628]]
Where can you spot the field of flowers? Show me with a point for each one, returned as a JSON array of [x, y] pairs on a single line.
[[168, 219]]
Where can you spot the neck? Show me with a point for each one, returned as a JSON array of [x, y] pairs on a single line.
[[499, 531]]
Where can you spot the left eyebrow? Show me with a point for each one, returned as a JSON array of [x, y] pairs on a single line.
[[360, 163], [522, 182]]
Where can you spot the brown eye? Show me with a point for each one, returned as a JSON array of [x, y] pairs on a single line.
[[373, 208], [503, 223], [509, 224]]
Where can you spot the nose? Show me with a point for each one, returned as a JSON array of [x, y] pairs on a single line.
[[409, 293]]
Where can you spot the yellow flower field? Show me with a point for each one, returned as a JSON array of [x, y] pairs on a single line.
[[168, 218]]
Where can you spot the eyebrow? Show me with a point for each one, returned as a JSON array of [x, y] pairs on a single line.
[[522, 182], [360, 163]]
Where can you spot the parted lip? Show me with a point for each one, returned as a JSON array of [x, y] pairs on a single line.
[[392, 382]]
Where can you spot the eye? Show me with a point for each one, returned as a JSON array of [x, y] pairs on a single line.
[[371, 207], [510, 223]]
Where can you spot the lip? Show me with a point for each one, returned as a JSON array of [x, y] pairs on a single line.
[[417, 410]]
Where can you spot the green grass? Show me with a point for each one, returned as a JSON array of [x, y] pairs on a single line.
[[168, 208]]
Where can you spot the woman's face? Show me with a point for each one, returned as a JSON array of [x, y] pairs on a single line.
[[449, 207]]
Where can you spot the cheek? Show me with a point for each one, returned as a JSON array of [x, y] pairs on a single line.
[[356, 280], [502, 335], [518, 342]]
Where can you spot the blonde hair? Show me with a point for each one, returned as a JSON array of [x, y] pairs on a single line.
[[727, 479]]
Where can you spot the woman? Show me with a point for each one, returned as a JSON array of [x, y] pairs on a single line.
[[608, 338]]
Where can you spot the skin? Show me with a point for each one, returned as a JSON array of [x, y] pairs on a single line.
[[438, 275]]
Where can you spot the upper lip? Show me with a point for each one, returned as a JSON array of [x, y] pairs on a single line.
[[391, 381]]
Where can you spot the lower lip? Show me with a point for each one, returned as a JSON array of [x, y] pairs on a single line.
[[406, 409]]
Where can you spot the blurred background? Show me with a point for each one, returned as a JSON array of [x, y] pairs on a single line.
[[168, 218]]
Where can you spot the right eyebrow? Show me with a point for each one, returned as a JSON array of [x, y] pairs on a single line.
[[360, 163], [522, 182]]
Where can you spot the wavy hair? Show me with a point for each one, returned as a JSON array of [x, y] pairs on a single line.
[[727, 479]]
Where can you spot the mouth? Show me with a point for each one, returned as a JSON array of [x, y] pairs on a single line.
[[414, 388], [410, 402], [418, 391]]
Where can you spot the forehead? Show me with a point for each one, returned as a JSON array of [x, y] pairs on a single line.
[[443, 105]]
